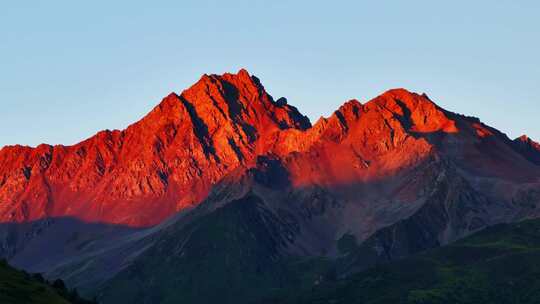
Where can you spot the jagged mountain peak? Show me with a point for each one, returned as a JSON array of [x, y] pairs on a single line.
[[418, 112], [526, 139], [529, 148], [161, 164], [239, 98], [395, 114]]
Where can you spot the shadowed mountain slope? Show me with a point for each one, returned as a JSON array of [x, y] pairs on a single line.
[[497, 265]]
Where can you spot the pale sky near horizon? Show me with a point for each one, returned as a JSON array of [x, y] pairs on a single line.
[[68, 69]]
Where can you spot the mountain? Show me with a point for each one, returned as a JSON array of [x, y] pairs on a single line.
[[156, 167], [529, 148], [223, 193], [497, 265]]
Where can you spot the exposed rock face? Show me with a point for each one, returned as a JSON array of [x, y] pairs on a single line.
[[157, 166]]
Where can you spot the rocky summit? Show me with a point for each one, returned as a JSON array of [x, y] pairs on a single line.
[[156, 167], [222, 184]]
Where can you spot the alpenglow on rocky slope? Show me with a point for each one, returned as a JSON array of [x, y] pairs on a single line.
[[162, 164], [242, 186]]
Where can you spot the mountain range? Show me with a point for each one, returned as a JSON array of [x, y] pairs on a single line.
[[223, 193]]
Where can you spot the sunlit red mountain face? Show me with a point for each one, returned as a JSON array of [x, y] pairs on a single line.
[[165, 162], [222, 125]]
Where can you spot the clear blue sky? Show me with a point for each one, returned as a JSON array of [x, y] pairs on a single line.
[[69, 69]]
